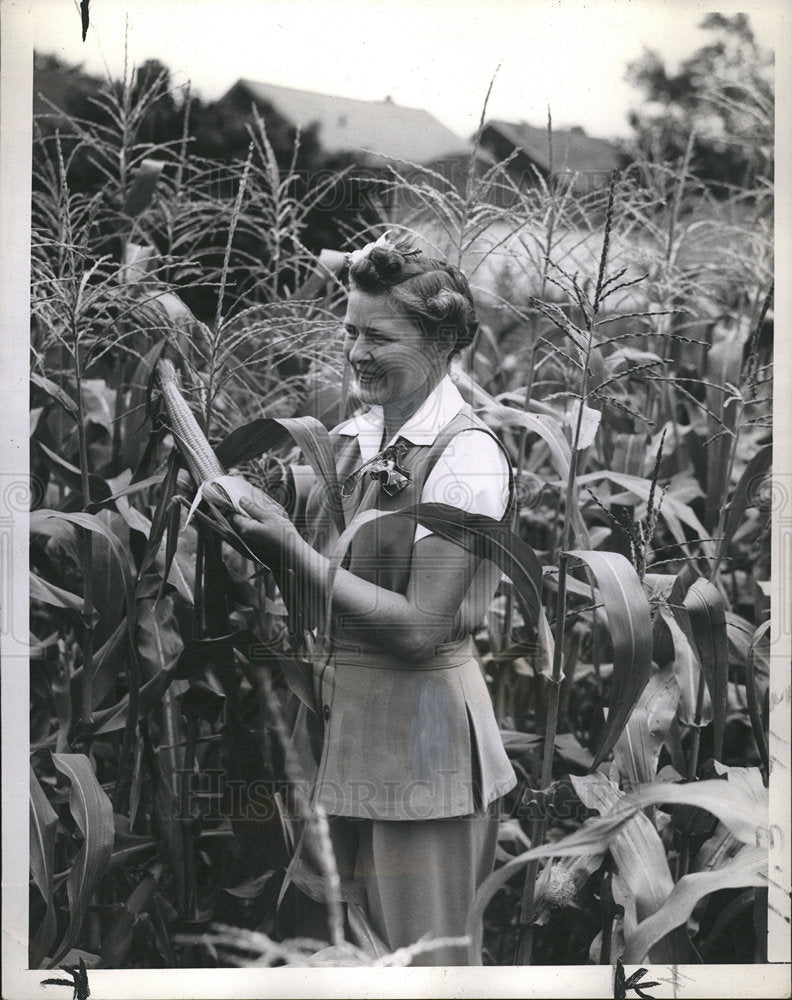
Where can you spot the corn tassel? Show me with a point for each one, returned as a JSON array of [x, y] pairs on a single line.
[[199, 455]]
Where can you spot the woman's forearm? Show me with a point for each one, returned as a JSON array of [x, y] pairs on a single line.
[[410, 625], [365, 611]]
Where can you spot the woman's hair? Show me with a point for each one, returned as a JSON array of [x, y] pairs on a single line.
[[432, 293]]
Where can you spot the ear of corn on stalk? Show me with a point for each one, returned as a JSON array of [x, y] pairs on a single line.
[[207, 472], [196, 450]]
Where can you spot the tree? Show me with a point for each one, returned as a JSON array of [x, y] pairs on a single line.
[[722, 95]]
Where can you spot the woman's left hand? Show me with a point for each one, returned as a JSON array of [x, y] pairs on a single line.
[[264, 527]]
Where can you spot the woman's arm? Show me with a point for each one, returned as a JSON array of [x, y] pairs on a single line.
[[410, 626]]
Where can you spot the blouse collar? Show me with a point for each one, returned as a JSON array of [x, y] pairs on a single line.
[[440, 406]]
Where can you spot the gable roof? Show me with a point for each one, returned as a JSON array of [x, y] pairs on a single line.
[[573, 150], [346, 124]]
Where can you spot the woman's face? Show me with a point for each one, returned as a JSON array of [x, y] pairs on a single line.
[[389, 355]]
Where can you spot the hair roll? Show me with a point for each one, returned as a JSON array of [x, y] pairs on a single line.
[[432, 293]]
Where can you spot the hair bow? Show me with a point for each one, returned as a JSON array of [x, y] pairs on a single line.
[[356, 255]]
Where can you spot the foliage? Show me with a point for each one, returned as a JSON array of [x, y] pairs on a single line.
[[624, 359], [720, 99]]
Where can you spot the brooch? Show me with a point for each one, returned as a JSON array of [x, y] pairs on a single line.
[[385, 469]]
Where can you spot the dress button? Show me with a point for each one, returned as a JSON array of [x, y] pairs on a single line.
[[326, 712]]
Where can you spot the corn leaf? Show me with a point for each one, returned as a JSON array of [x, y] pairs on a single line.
[[161, 519], [740, 802], [631, 636], [757, 667], [592, 838], [745, 492], [112, 571], [93, 814], [110, 660], [723, 368], [119, 939], [128, 847], [252, 888], [749, 867], [159, 638], [637, 848], [135, 421], [110, 720], [569, 407], [488, 538], [46, 592], [135, 261], [629, 453], [98, 403], [707, 612], [71, 476], [43, 826], [165, 812], [38, 523], [741, 805], [54, 390], [311, 437], [549, 428], [673, 511], [567, 746], [717, 850], [637, 750], [686, 667], [739, 632]]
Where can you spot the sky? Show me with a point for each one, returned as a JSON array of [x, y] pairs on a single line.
[[439, 55]]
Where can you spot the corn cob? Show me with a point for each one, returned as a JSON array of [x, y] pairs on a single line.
[[198, 454], [196, 450]]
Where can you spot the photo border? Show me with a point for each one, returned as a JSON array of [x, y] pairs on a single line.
[[733, 981]]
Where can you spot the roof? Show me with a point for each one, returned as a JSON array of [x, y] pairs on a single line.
[[572, 149], [345, 124]]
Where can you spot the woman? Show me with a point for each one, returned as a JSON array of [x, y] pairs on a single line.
[[408, 759]]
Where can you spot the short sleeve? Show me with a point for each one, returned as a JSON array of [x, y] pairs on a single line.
[[472, 474]]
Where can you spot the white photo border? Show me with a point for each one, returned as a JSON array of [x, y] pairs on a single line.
[[17, 36]]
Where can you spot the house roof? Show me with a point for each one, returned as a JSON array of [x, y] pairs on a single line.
[[345, 124], [572, 149]]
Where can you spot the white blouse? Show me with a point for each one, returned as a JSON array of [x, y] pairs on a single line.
[[472, 473]]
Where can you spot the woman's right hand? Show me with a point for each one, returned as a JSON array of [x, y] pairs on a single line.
[[264, 527]]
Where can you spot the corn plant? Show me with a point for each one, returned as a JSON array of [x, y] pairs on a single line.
[[623, 359]]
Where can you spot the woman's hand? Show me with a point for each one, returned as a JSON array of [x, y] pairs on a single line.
[[264, 527]]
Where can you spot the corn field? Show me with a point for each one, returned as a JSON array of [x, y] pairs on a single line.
[[624, 359]]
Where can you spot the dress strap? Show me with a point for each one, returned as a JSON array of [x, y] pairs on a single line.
[[466, 420]]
